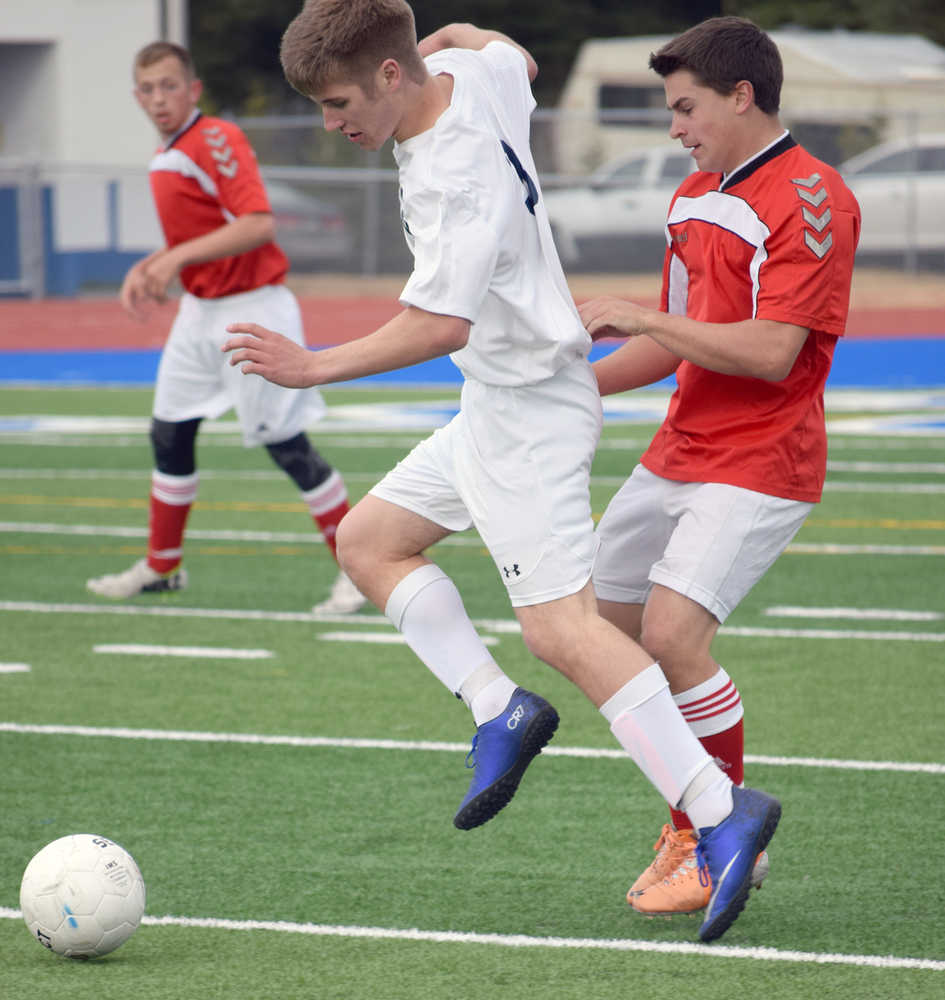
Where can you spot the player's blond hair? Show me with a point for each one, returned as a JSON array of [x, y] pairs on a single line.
[[340, 41], [156, 51]]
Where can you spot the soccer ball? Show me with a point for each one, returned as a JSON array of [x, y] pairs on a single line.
[[82, 896]]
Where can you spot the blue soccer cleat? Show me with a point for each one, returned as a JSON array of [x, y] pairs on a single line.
[[727, 853], [501, 750]]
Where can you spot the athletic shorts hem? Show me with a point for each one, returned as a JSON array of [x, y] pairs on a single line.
[[399, 500], [545, 597], [693, 591]]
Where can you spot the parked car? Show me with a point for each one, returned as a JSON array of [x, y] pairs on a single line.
[[900, 186], [310, 230], [615, 219]]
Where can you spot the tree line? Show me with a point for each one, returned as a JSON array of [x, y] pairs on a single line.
[[236, 42]]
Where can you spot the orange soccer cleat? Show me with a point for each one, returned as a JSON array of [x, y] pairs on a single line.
[[672, 884]]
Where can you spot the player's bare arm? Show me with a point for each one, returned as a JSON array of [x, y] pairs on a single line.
[[638, 362], [239, 236], [411, 337], [756, 348], [468, 36]]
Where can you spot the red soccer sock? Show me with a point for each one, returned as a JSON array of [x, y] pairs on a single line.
[[171, 500], [714, 713], [328, 504]]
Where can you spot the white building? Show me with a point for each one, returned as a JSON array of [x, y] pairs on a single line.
[[65, 77], [74, 145]]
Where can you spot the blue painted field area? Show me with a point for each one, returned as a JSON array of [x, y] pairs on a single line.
[[893, 363]]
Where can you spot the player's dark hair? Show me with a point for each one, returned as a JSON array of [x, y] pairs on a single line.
[[156, 51], [722, 51], [340, 41]]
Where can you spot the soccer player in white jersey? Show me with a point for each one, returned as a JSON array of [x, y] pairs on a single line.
[[487, 288]]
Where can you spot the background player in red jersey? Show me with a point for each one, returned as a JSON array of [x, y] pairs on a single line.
[[219, 231], [756, 286]]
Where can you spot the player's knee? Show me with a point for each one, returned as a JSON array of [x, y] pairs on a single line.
[[173, 446], [663, 639], [538, 643], [553, 642], [300, 461], [354, 553]]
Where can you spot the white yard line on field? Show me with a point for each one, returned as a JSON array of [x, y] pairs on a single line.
[[382, 638], [503, 626], [613, 444], [204, 535], [530, 941], [462, 540], [194, 652], [353, 743], [14, 668], [854, 614]]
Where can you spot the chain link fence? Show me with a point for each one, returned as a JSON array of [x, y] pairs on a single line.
[[65, 227]]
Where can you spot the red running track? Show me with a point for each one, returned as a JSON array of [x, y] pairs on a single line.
[[101, 324]]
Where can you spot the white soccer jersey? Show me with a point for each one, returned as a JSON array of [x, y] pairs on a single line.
[[475, 221]]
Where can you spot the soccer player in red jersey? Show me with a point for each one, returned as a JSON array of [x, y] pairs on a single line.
[[756, 287], [219, 229]]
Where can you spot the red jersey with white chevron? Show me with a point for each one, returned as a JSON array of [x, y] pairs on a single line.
[[774, 240], [203, 178]]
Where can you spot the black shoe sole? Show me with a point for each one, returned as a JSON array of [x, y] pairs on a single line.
[[166, 585], [499, 794]]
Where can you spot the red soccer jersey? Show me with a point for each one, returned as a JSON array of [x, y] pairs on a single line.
[[774, 241], [205, 177]]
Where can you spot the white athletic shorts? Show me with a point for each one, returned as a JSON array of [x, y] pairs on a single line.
[[195, 378], [515, 463], [709, 542]]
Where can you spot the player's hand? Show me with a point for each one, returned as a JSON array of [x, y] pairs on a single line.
[[608, 316], [159, 271], [259, 351], [134, 296]]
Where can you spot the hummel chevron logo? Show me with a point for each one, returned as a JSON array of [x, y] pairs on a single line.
[[807, 182], [821, 248], [817, 222], [215, 138], [812, 197]]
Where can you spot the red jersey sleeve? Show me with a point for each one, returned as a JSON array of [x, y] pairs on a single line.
[[228, 157], [806, 277]]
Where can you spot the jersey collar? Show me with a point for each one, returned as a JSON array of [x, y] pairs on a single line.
[[779, 146], [194, 115]]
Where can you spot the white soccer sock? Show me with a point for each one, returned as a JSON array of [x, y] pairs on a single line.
[[426, 608], [486, 692], [648, 725], [711, 707], [708, 799]]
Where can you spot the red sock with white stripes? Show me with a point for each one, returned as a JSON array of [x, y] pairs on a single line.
[[328, 504], [171, 500], [714, 712]]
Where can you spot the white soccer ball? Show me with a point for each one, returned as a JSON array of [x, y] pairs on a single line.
[[82, 896]]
